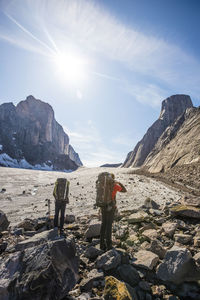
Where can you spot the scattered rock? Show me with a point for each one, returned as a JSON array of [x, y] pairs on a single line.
[[191, 201], [149, 203], [169, 228], [27, 225], [150, 234], [37, 239], [186, 211], [3, 247], [3, 221], [138, 217], [109, 260], [47, 271], [177, 266], [145, 259], [94, 229], [92, 252], [87, 283], [115, 289], [128, 274], [157, 248], [70, 219], [182, 238]]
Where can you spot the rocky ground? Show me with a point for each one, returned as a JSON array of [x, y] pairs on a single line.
[[183, 177], [24, 192], [156, 240]]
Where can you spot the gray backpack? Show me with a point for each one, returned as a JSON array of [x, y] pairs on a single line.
[[104, 188]]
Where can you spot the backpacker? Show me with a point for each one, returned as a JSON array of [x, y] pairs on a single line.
[[61, 190], [104, 189]]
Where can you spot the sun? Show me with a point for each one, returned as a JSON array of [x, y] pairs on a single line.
[[70, 67]]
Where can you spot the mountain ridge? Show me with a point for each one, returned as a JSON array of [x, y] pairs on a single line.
[[172, 108], [29, 131]]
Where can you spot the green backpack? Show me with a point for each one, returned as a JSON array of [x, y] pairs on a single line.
[[61, 190], [104, 188]]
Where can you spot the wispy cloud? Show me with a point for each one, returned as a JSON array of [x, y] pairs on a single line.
[[90, 145], [88, 26], [149, 94]]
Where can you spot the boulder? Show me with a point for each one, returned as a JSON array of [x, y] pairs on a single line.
[[145, 259], [8, 268], [37, 239], [92, 252], [157, 248], [186, 211], [70, 219], [121, 232], [115, 289], [132, 239], [124, 256], [27, 225], [128, 274], [109, 260], [3, 246], [138, 217], [150, 234], [169, 228], [196, 257], [87, 283], [93, 229], [4, 223], [182, 238], [47, 271], [149, 203], [178, 266]]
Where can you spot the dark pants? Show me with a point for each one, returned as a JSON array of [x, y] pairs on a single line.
[[59, 207], [106, 228]]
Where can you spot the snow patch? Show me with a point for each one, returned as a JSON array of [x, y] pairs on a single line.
[[1, 147], [7, 161]]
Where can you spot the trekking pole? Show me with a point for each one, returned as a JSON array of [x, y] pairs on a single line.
[[49, 211]]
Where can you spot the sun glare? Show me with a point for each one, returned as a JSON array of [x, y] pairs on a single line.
[[71, 67]]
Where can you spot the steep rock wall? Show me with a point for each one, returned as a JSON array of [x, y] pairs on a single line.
[[172, 108], [30, 131]]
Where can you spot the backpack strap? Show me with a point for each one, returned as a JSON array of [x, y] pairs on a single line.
[[66, 191]]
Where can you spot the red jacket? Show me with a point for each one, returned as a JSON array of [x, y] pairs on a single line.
[[117, 188]]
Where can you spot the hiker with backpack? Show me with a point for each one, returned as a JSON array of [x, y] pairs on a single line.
[[107, 188], [60, 193]]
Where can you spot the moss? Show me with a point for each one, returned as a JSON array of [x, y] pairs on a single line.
[[184, 207], [115, 289]]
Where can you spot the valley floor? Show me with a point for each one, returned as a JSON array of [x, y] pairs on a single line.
[[23, 193]]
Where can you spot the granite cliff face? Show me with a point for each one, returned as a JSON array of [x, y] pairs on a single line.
[[172, 108], [30, 132], [178, 145]]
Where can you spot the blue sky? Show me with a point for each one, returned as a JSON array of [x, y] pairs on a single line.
[[104, 66]]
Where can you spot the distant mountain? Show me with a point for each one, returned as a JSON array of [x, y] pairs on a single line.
[[111, 165], [30, 137], [172, 109]]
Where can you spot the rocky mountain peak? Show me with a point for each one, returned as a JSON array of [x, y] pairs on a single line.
[[29, 131], [35, 108], [174, 106]]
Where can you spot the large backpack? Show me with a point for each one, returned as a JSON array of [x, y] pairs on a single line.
[[104, 189], [61, 189]]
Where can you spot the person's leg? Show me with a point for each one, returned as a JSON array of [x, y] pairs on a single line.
[[109, 221], [103, 228], [62, 215], [56, 214]]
